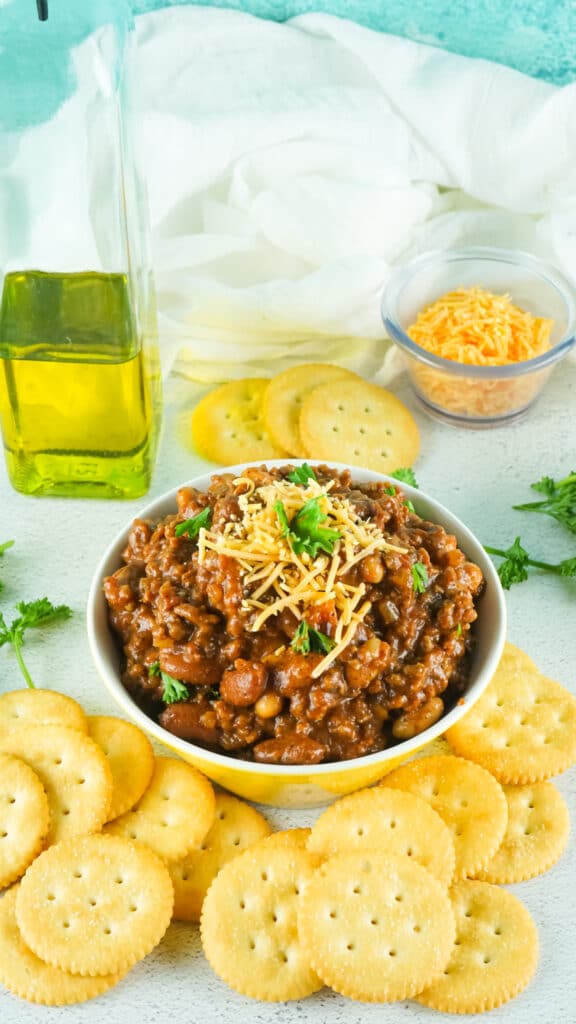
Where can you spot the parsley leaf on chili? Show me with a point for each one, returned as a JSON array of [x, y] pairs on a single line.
[[559, 500], [32, 615], [191, 527], [302, 474], [419, 577], [514, 568], [406, 475], [304, 532], [173, 690], [307, 639]]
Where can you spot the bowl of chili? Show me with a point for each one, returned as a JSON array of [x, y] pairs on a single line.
[[296, 630]]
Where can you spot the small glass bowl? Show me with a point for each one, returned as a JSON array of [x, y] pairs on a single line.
[[479, 396]]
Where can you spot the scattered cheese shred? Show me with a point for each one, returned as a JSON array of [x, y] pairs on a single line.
[[474, 326], [275, 577]]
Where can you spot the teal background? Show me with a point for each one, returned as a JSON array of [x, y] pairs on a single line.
[[537, 37]]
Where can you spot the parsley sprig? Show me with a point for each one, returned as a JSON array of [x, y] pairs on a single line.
[[191, 527], [419, 577], [4, 547], [302, 474], [173, 690], [559, 500], [304, 532], [307, 639], [514, 568], [406, 475], [31, 615]]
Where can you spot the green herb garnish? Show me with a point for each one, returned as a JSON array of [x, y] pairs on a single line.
[[192, 527], [406, 475], [559, 500], [304, 532], [419, 577], [4, 547], [514, 568], [307, 639], [173, 690], [408, 504], [302, 474], [459, 630], [31, 615]]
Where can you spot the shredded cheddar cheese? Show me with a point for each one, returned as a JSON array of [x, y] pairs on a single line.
[[476, 327], [275, 577]]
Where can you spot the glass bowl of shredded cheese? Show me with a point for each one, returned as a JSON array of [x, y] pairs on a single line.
[[480, 330]]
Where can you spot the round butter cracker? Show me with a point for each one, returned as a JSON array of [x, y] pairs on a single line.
[[523, 727], [249, 924], [358, 423], [39, 707], [27, 976], [284, 397], [228, 425], [73, 772], [94, 904], [390, 821], [130, 756], [467, 798], [376, 926], [494, 956], [536, 835], [24, 817], [173, 815]]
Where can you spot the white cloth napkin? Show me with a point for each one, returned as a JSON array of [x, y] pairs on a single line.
[[291, 166]]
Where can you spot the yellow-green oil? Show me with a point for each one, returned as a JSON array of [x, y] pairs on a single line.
[[78, 397]]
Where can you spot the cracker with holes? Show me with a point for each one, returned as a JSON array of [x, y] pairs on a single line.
[[468, 799], [285, 394], [24, 817], [73, 772], [523, 727], [175, 813], [39, 707], [130, 757], [25, 975], [94, 904], [228, 424], [390, 821], [537, 833], [236, 827], [495, 954], [358, 423], [249, 924], [376, 926]]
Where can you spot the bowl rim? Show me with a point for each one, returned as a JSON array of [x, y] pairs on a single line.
[[516, 257], [96, 618]]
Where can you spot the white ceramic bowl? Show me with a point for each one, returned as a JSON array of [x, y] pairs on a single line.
[[301, 785]]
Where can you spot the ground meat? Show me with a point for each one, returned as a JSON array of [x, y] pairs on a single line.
[[253, 694]]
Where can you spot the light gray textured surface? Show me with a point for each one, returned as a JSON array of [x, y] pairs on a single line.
[[478, 475]]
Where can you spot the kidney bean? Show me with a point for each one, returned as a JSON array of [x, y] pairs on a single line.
[[243, 684], [191, 722], [190, 666]]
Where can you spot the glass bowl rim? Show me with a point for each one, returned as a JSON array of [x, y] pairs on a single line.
[[541, 268]]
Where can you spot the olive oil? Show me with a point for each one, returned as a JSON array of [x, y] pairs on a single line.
[[78, 396]]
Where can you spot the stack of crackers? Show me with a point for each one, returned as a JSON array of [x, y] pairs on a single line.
[[314, 410], [394, 893]]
